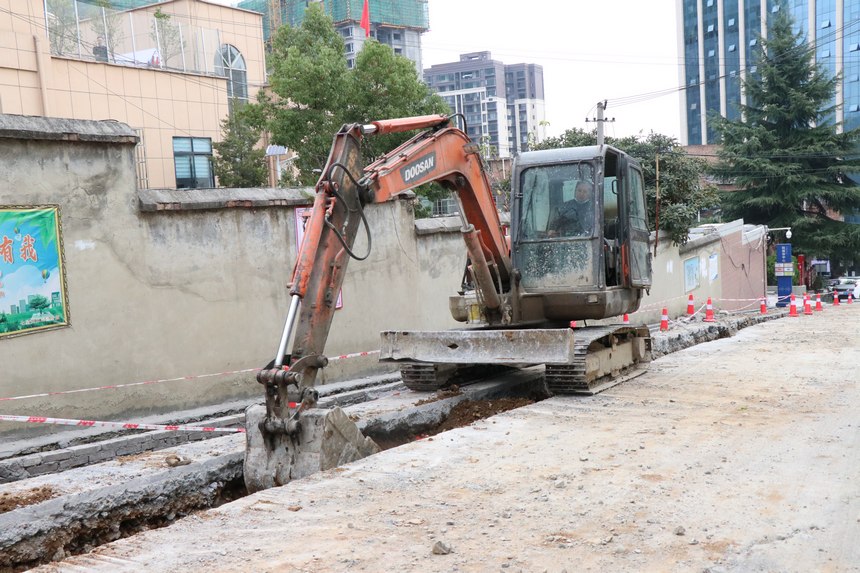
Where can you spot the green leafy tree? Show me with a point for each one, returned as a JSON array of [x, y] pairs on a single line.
[[62, 27], [39, 303], [315, 93], [310, 82], [384, 85], [683, 193], [238, 163], [785, 155], [165, 34]]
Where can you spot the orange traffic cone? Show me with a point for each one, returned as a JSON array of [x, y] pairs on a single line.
[[664, 321], [709, 312], [818, 302], [835, 299], [850, 298], [626, 319], [763, 307], [792, 310], [691, 310], [807, 306]]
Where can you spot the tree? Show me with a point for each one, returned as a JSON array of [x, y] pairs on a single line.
[[166, 36], [682, 191], [385, 85], [62, 27], [785, 154], [309, 78], [238, 163], [39, 303], [316, 93]]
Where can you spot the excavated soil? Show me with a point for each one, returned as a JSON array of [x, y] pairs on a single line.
[[9, 501], [466, 413]]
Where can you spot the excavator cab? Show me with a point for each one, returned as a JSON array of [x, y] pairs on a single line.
[[579, 235]]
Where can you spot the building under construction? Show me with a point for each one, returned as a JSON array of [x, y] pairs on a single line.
[[398, 23]]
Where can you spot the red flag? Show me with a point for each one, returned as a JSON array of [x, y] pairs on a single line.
[[365, 19]]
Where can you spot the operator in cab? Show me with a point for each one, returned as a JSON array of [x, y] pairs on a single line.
[[574, 218]]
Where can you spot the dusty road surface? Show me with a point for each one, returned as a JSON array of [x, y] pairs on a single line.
[[736, 455]]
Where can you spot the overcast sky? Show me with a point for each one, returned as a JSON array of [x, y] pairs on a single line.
[[589, 50]]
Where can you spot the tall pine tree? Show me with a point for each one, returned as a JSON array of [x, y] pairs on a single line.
[[786, 155]]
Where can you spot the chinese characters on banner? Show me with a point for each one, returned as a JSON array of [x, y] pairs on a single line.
[[32, 279], [303, 214]]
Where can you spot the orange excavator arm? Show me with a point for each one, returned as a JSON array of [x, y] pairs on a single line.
[[441, 153]]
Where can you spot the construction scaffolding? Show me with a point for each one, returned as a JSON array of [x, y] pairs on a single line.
[[411, 14]]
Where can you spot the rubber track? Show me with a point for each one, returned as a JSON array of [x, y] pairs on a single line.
[[570, 378]]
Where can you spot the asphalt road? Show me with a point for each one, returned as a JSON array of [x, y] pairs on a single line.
[[736, 455]]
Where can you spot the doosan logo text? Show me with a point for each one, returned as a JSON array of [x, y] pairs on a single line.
[[418, 168]]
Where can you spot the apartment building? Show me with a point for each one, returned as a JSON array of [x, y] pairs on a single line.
[[397, 23], [168, 69], [503, 105], [718, 39]]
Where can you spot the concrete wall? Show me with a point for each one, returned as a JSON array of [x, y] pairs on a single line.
[[734, 252], [166, 284]]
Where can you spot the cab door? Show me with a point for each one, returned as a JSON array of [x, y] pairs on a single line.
[[635, 236]]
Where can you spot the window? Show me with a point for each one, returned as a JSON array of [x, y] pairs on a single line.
[[854, 108], [396, 35], [348, 48], [230, 64], [193, 159], [825, 24], [854, 48], [731, 22], [732, 47], [398, 51], [753, 42]]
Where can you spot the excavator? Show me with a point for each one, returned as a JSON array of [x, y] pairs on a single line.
[[577, 250]]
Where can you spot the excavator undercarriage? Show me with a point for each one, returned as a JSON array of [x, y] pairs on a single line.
[[578, 361]]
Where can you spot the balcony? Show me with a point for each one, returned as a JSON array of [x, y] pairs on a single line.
[[138, 38]]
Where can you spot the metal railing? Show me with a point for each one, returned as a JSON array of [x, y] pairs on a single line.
[[83, 30]]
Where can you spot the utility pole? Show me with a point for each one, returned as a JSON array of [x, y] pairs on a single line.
[[600, 120]]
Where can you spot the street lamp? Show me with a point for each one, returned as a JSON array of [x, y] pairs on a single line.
[[786, 229]]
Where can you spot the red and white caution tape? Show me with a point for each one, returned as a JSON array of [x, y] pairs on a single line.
[[122, 425], [116, 386], [353, 355], [179, 379]]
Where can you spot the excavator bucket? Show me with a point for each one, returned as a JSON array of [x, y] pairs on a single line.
[[326, 438]]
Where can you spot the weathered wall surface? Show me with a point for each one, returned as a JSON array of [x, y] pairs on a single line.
[[167, 284], [729, 267]]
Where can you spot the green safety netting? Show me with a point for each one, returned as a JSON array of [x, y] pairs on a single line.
[[405, 13]]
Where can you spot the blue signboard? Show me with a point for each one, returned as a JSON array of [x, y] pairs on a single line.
[[784, 270]]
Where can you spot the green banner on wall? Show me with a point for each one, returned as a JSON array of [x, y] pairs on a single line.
[[32, 279]]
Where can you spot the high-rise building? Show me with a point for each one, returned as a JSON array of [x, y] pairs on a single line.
[[398, 23], [503, 105], [718, 38]]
